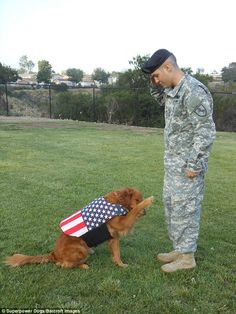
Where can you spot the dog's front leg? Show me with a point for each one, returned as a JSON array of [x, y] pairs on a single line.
[[123, 224], [114, 245], [131, 217]]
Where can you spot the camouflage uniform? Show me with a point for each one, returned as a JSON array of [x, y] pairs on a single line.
[[189, 134]]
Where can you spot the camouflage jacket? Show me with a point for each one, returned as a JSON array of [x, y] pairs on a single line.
[[189, 126]]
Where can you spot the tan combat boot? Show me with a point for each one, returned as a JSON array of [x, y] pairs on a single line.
[[184, 261], [168, 257]]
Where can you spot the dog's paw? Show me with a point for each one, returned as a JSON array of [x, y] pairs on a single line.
[[122, 265], [148, 201], [151, 199], [84, 266]]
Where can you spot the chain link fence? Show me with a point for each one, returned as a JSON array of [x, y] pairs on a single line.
[[107, 104]]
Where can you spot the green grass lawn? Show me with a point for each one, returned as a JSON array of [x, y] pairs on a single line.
[[48, 169]]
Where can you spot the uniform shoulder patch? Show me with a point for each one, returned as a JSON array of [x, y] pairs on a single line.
[[201, 111]]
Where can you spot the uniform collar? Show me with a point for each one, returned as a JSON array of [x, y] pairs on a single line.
[[172, 92]]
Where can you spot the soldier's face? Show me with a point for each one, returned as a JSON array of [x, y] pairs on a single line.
[[161, 77]]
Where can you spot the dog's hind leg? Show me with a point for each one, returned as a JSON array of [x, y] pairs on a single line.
[[66, 264]]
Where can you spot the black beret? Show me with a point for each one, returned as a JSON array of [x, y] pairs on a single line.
[[156, 60]]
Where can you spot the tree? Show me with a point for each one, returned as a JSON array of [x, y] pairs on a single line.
[[134, 78], [100, 76], [229, 73], [7, 74], [204, 78], [44, 71], [74, 106], [60, 87], [75, 75], [199, 75], [187, 71], [138, 61], [25, 64]]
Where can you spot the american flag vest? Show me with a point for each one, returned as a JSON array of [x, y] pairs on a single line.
[[92, 216]]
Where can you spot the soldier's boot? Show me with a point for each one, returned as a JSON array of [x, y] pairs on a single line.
[[168, 257], [184, 261]]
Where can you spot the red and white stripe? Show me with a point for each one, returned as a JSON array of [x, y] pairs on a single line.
[[74, 225]]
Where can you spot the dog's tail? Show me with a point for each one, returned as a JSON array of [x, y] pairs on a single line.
[[20, 259]]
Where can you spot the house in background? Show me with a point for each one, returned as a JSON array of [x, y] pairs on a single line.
[[87, 81], [27, 79], [217, 80], [62, 79], [113, 78]]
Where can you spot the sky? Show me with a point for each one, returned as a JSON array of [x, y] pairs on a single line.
[[107, 34]]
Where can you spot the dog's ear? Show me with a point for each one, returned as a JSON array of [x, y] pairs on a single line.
[[112, 197], [125, 196], [126, 193], [122, 197], [130, 191]]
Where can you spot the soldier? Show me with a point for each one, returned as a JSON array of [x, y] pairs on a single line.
[[188, 136]]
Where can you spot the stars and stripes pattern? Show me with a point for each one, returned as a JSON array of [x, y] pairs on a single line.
[[90, 217]]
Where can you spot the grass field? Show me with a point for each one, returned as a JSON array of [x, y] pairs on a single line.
[[48, 169]]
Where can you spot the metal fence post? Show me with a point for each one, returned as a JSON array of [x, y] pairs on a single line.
[[50, 100], [94, 104], [6, 91]]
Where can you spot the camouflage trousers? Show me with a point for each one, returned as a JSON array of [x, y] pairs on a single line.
[[182, 199]]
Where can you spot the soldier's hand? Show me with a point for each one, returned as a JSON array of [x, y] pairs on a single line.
[[191, 174]]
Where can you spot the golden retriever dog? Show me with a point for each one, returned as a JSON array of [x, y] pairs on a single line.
[[73, 251]]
